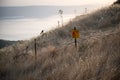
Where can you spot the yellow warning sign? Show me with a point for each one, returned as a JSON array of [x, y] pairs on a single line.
[[75, 34]]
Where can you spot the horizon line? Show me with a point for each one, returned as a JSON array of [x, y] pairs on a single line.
[[53, 5]]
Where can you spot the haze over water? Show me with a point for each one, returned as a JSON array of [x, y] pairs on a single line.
[[20, 23]]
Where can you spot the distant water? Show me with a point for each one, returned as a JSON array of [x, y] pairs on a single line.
[[20, 29], [20, 23]]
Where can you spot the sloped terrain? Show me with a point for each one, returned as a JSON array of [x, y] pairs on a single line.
[[97, 56]]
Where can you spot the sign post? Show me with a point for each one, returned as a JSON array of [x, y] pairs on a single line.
[[75, 35], [35, 51]]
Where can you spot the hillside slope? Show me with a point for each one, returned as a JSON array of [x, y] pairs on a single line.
[[97, 56]]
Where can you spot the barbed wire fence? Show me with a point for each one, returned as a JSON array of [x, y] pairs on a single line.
[[25, 53], [40, 43]]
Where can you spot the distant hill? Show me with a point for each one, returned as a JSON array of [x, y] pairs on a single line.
[[53, 55], [117, 2], [6, 43]]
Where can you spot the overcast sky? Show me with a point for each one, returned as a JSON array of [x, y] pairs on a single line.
[[53, 2]]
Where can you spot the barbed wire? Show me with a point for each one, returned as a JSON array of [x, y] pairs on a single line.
[[64, 45]]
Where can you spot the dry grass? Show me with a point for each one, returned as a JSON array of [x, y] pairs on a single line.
[[97, 56]]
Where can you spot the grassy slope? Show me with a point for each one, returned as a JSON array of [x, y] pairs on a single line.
[[97, 56]]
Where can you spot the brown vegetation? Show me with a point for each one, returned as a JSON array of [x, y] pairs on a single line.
[[97, 56]]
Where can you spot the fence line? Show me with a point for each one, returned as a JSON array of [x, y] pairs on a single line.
[[66, 44]]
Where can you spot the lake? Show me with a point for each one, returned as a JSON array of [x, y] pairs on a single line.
[[22, 23]]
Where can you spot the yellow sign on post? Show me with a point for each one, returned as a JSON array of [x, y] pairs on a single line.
[[75, 34]]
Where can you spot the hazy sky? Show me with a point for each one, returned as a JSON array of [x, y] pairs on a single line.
[[53, 2]]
